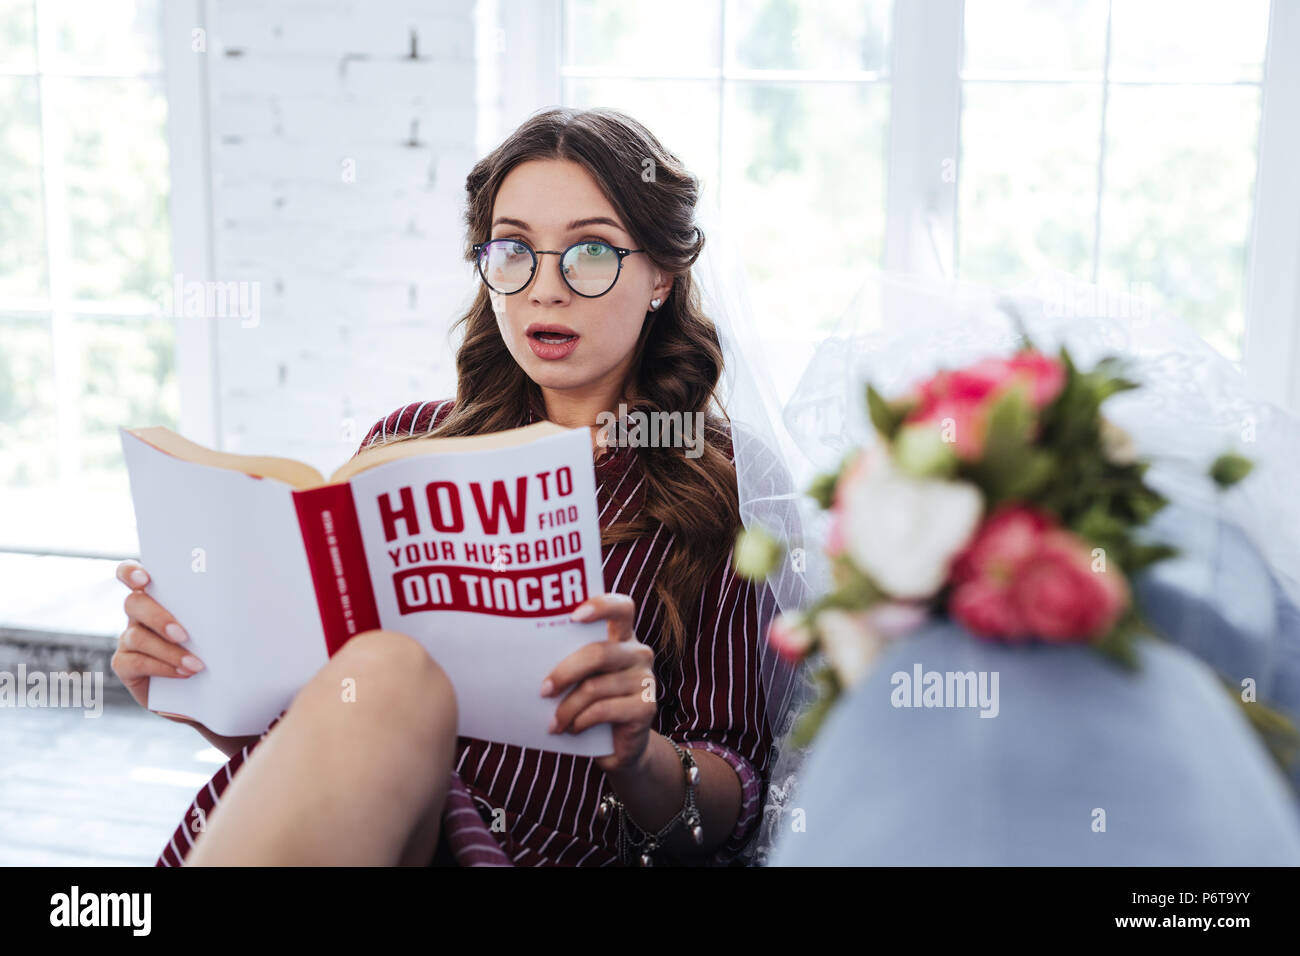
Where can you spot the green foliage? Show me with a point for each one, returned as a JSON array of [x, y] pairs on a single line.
[[887, 417], [1228, 469]]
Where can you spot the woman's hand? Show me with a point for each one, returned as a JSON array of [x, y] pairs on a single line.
[[613, 680], [153, 643]]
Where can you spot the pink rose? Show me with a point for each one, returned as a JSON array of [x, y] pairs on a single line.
[[1061, 597], [1022, 576], [985, 609], [1001, 545], [965, 396], [1044, 374], [790, 637], [854, 471]]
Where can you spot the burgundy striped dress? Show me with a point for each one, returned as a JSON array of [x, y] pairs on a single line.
[[713, 700]]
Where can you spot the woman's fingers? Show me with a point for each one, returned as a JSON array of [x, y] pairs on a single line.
[[132, 574], [137, 639], [142, 609], [613, 710], [618, 684], [618, 609], [598, 657], [131, 666]]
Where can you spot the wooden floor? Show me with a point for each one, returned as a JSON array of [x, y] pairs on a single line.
[[95, 791]]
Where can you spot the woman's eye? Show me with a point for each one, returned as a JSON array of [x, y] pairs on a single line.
[[594, 249]]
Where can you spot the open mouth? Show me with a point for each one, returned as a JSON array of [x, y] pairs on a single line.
[[551, 342]]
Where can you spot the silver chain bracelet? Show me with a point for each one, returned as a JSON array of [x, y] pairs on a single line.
[[632, 838]]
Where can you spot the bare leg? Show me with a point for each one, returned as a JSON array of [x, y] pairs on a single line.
[[352, 782]]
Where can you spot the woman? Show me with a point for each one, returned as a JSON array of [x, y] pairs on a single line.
[[587, 303]]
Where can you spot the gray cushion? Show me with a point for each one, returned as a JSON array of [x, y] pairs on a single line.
[[1179, 772]]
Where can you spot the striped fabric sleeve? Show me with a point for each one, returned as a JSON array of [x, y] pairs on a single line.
[[713, 698], [414, 418]]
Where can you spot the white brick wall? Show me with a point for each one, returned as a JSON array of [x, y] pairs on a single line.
[[359, 276]]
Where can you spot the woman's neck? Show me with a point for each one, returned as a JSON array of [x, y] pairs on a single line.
[[580, 409], [575, 409]]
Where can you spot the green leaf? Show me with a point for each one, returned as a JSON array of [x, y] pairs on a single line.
[[1118, 645], [1230, 468], [756, 553], [920, 451], [822, 489], [885, 417], [1144, 555], [1007, 456], [1037, 468]]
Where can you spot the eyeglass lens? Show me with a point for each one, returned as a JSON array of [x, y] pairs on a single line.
[[590, 268]]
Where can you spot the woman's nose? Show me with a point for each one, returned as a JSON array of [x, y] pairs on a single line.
[[548, 285]]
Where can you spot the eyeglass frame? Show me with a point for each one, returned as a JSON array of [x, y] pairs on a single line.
[[619, 251]]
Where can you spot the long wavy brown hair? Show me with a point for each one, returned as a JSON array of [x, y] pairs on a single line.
[[678, 356]]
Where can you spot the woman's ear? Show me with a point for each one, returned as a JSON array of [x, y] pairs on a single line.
[[663, 285]]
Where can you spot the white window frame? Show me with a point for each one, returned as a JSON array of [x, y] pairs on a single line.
[[190, 205], [1272, 351], [924, 122], [184, 79]]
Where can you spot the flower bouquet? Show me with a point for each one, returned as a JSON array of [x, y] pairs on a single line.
[[997, 495]]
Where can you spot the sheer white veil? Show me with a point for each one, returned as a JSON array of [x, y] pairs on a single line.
[[772, 475]]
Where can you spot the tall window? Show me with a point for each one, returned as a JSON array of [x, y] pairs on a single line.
[[781, 107], [1116, 141], [84, 265]]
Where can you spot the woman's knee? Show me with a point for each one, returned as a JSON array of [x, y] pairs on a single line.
[[395, 671]]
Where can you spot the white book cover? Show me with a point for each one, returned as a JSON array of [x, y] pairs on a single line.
[[479, 553]]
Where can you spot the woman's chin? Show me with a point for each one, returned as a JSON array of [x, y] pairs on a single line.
[[556, 375]]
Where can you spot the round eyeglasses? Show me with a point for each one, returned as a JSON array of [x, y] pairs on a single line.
[[589, 268]]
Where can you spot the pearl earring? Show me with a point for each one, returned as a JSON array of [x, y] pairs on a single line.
[[654, 304]]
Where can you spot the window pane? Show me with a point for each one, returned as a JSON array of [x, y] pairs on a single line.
[[804, 181], [96, 36], [819, 35], [28, 429], [1180, 174], [1027, 180], [128, 377], [111, 142], [1190, 37], [22, 216], [671, 36], [1041, 36], [691, 134], [17, 34]]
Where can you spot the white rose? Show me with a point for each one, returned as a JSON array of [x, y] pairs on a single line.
[[903, 531], [1117, 444], [848, 642]]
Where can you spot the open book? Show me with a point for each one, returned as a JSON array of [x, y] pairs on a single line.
[[478, 547]]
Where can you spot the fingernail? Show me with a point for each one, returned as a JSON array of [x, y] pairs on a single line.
[[192, 663], [583, 612], [139, 578], [547, 688], [551, 727], [177, 633]]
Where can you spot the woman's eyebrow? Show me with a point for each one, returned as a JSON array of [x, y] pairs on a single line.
[[576, 224]]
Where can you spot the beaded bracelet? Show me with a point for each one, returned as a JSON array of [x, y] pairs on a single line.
[[648, 843]]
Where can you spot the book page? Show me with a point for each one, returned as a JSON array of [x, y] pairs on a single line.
[[225, 556], [481, 557]]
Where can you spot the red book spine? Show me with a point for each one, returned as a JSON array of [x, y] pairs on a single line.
[[339, 570]]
